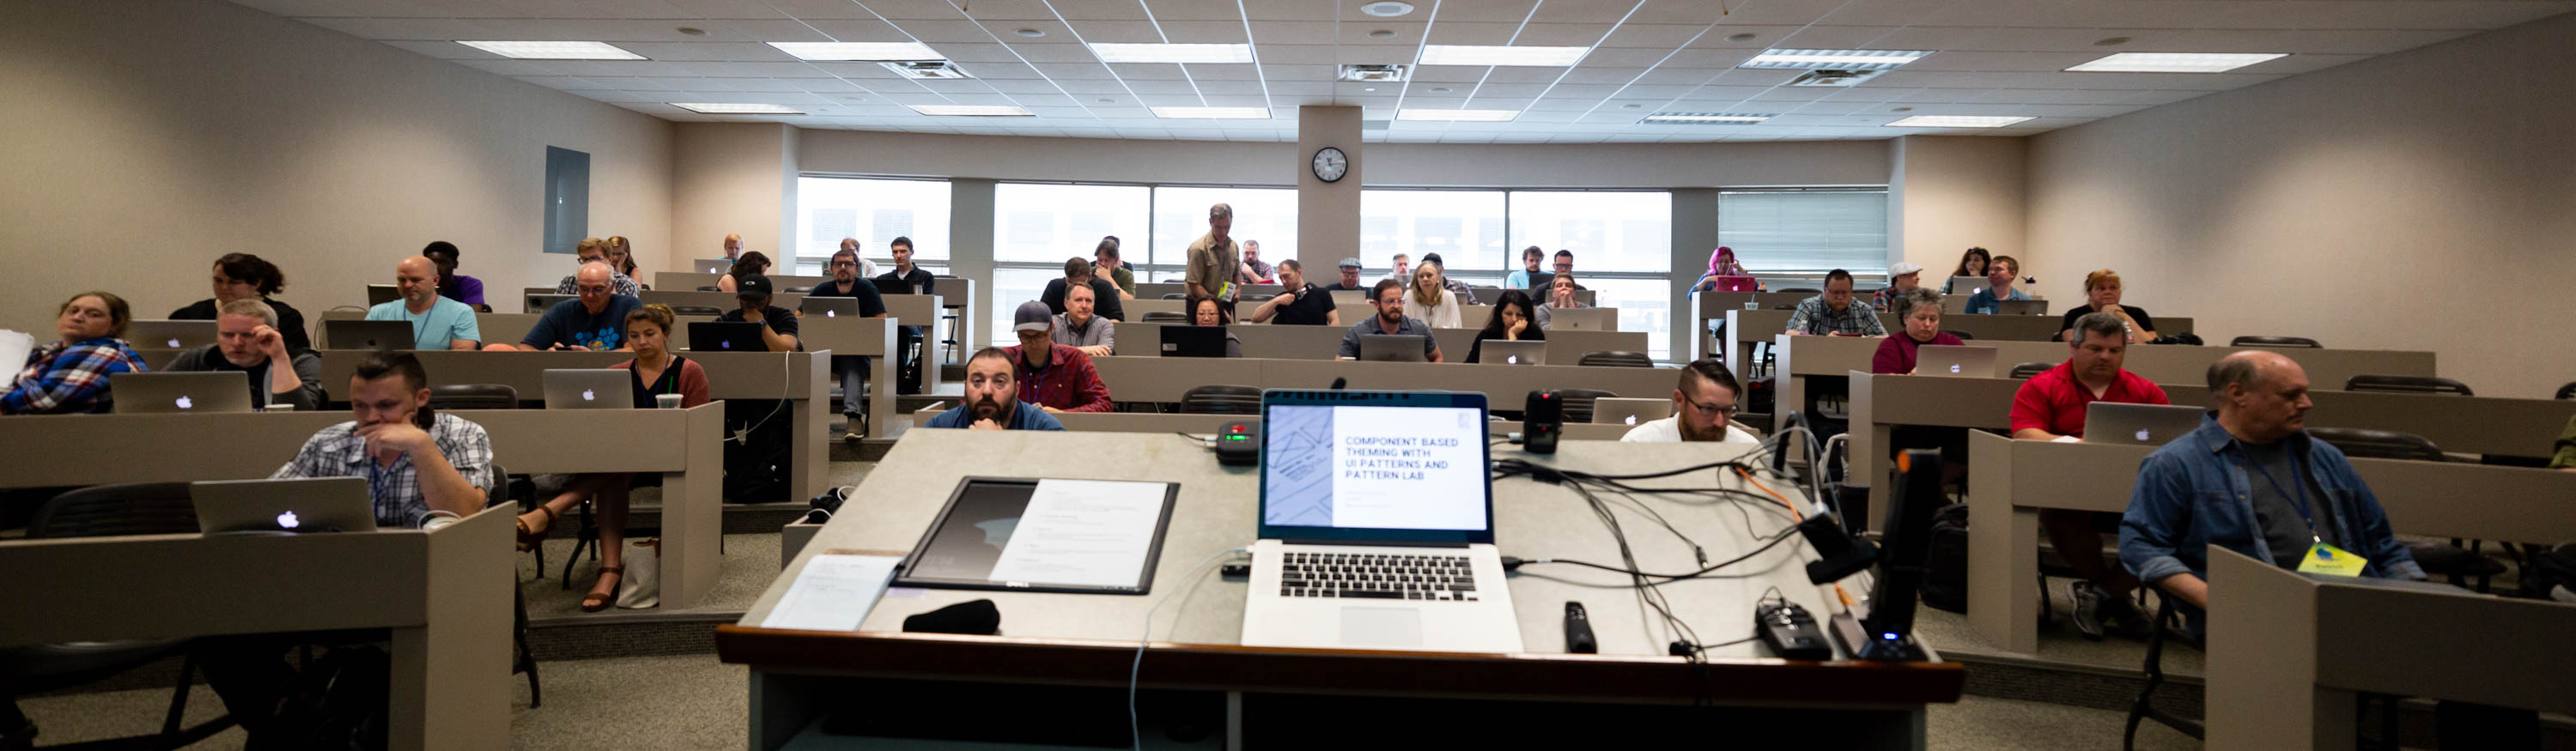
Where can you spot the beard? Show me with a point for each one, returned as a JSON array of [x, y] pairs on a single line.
[[1716, 432], [988, 408]]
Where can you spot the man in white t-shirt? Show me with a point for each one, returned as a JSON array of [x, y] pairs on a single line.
[[1702, 404]]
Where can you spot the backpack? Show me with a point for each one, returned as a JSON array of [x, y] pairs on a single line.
[[755, 469], [1945, 560], [339, 701]]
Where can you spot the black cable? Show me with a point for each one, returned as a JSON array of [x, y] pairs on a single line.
[[1787, 535]]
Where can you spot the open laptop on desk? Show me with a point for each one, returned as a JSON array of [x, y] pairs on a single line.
[[161, 334], [1510, 352], [589, 388], [1377, 525], [1193, 341], [1612, 410], [321, 504], [712, 265], [1964, 286], [829, 307], [168, 393], [2138, 424], [1954, 361], [539, 303], [1392, 348], [2021, 307], [379, 294], [1736, 284], [1583, 319], [726, 336], [382, 336]]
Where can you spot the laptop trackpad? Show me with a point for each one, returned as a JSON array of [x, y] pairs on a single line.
[[1381, 627]]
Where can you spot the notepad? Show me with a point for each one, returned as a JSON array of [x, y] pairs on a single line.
[[833, 593]]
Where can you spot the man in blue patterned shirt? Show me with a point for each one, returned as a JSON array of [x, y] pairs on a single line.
[[1833, 312], [415, 461]]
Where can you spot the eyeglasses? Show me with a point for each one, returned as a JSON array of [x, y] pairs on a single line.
[[589, 290], [1723, 413]]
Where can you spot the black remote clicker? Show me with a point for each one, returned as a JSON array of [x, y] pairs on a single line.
[[1578, 630], [1791, 632]]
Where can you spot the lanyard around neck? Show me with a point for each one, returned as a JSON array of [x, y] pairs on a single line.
[[2299, 477]]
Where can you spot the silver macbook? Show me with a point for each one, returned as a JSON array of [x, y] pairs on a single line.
[[1508, 352], [1583, 319], [1964, 286], [167, 393], [386, 336], [1392, 347], [2021, 307], [320, 504], [1613, 410], [589, 388], [829, 307], [1376, 527], [1949, 360], [1952, 305], [1349, 296], [163, 334], [379, 294], [2141, 424], [712, 265]]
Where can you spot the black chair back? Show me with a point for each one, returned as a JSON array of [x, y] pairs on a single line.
[[2568, 391], [473, 396], [1808, 290], [2380, 444], [2407, 384], [1616, 359], [709, 288], [1166, 316], [800, 290], [1222, 399], [1962, 335], [1176, 296], [696, 310], [1578, 403], [142, 508], [2291, 342], [2024, 371]]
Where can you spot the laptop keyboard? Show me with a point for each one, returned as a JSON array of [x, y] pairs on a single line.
[[1377, 576]]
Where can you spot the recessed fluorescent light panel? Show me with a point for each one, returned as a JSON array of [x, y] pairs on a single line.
[[970, 110], [1464, 116], [926, 69], [2175, 62], [858, 51], [1481, 54], [1702, 118], [1367, 73], [1172, 53], [726, 108], [554, 50], [1836, 59], [1212, 113], [1957, 121]]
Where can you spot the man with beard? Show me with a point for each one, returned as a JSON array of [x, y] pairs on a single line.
[[992, 399], [1388, 298], [1702, 404]]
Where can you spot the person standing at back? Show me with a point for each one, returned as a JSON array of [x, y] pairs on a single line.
[[2051, 407], [437, 322], [1213, 257], [1999, 286], [1832, 313], [242, 276]]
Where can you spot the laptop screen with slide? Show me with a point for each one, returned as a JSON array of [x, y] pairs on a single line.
[[1375, 466]]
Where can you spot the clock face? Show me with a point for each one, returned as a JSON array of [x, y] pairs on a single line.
[[1330, 164]]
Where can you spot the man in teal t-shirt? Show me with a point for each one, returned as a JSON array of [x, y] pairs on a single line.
[[436, 322]]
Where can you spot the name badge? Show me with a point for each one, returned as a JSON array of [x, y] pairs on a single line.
[[2332, 561]]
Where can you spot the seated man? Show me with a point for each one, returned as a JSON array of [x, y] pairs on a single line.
[[1902, 279], [1833, 313], [247, 340], [1300, 303], [853, 369], [992, 400], [1078, 273], [1252, 269], [2050, 407], [437, 321], [1056, 379], [596, 250], [595, 321], [1999, 287], [1350, 268], [2253, 481], [777, 325], [1703, 404], [905, 279], [1078, 328], [1388, 298], [1105, 264]]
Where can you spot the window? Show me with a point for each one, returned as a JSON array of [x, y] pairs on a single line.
[[874, 211], [1464, 227], [1049, 223], [1012, 286], [1805, 234], [1264, 215], [1622, 243]]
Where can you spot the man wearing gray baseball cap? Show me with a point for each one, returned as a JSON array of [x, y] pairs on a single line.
[[1054, 377], [1350, 278]]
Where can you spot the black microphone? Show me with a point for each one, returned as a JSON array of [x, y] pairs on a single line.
[[1338, 383]]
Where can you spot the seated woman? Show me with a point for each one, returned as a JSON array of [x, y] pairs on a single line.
[[70, 376], [1515, 319], [1721, 262], [1971, 263], [1560, 296], [750, 263], [2102, 295], [1431, 300], [1922, 326], [621, 256], [657, 371], [242, 276], [1206, 311]]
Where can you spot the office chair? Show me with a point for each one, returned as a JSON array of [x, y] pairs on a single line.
[[1221, 399], [1616, 359], [2568, 391], [1962, 335], [1579, 403], [1806, 290], [1258, 298], [800, 290], [473, 396], [2168, 626], [696, 310], [524, 662], [709, 288], [2024, 371], [2407, 384], [105, 511], [2287, 342], [1165, 316], [2437, 559], [1176, 296]]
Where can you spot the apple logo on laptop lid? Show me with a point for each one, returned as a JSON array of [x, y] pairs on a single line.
[[1632, 419], [587, 396], [1954, 367], [186, 403], [2142, 434], [287, 520]]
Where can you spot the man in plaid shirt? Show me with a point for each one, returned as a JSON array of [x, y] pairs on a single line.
[[415, 462], [1833, 312]]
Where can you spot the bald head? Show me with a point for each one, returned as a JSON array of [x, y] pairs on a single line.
[[2262, 395], [416, 277], [595, 284]]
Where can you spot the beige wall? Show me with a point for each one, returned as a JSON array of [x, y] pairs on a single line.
[[732, 178], [331, 155], [2422, 200], [1328, 214], [1946, 194]]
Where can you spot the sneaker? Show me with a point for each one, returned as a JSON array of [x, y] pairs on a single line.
[[2087, 615], [2124, 614]]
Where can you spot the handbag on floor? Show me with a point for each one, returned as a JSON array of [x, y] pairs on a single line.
[[643, 585]]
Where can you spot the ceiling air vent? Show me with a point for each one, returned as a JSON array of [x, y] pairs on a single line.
[[925, 69], [1372, 73], [1830, 77]]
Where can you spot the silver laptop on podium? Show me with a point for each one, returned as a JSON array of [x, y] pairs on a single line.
[[1376, 526], [172, 393], [1612, 410], [589, 388], [2138, 424], [321, 504], [1954, 361]]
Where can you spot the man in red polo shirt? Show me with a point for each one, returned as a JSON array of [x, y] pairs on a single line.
[[2050, 407], [1055, 377]]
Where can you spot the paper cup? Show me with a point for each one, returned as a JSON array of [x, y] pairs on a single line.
[[1752, 306], [666, 401]]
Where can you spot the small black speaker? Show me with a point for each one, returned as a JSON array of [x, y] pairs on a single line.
[[1542, 422]]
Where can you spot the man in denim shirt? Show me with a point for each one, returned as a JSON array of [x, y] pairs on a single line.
[[2252, 480]]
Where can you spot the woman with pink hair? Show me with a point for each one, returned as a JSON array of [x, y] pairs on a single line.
[[1720, 263]]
